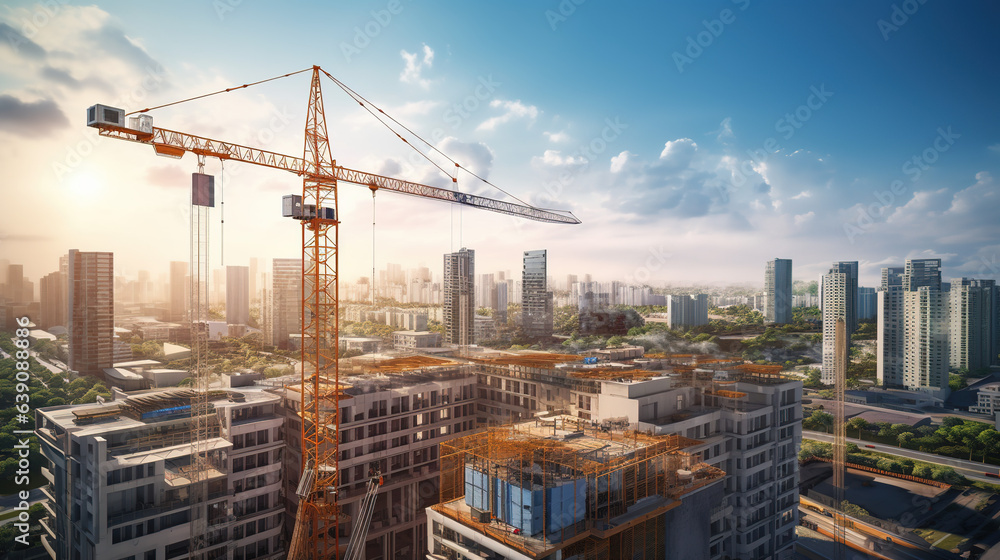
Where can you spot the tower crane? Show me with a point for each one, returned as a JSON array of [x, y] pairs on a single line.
[[316, 533]]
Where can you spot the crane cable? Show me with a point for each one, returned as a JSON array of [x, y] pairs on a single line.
[[222, 213], [227, 90], [368, 105]]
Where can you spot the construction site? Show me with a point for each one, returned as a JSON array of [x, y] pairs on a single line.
[[559, 485]]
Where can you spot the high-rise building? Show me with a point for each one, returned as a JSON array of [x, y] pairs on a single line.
[[926, 340], [119, 484], [867, 304], [500, 313], [778, 286], [286, 300], [890, 328], [922, 272], [237, 295], [687, 311], [536, 300], [91, 311], [179, 290], [53, 300], [15, 284], [926, 352], [840, 296], [459, 297], [971, 323]]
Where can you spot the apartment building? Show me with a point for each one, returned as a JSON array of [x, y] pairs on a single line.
[[391, 422], [119, 477]]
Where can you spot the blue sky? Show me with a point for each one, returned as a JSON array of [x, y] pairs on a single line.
[[694, 139]]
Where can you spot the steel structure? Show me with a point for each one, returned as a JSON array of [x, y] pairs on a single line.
[[316, 533], [613, 468]]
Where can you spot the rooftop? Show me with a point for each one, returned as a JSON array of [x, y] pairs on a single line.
[[554, 452]]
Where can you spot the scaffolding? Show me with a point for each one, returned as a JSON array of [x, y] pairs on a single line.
[[560, 484]]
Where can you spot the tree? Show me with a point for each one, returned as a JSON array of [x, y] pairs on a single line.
[[813, 378], [990, 441], [818, 420], [858, 423], [904, 438]]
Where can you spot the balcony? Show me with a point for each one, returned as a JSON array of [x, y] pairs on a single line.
[[146, 511]]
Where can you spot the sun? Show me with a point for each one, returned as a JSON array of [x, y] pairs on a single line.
[[84, 184]]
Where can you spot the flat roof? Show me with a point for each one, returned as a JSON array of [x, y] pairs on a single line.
[[137, 363], [122, 374]]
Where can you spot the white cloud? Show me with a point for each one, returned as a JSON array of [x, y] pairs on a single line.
[[995, 148], [678, 151], [511, 110], [803, 218], [618, 162], [803, 194], [554, 158], [415, 66], [556, 137]]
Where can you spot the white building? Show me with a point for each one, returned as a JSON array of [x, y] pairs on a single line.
[[890, 328], [988, 400], [118, 477], [926, 354], [839, 296]]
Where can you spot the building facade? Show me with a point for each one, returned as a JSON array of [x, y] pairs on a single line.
[[839, 296], [119, 477], [890, 328], [286, 301], [91, 307], [237, 295], [536, 300], [971, 317], [459, 297], [778, 288]]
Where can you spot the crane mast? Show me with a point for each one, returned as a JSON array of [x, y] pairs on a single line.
[[316, 531]]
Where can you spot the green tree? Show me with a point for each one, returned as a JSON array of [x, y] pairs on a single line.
[[990, 441], [904, 438], [818, 420], [858, 423]]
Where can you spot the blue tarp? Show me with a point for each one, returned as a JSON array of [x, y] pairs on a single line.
[[558, 506]]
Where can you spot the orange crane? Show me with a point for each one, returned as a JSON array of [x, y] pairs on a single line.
[[316, 534]]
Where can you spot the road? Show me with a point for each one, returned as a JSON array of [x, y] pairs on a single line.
[[971, 469], [892, 551]]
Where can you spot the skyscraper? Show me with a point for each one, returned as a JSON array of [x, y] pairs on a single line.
[[971, 323], [778, 285], [459, 297], [536, 300], [286, 300], [53, 300], [179, 290], [840, 294], [15, 284], [237, 295], [91, 311], [890, 328], [925, 327]]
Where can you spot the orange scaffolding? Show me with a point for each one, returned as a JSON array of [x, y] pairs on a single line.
[[617, 469]]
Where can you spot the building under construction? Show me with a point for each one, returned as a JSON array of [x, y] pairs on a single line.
[[560, 488], [394, 412]]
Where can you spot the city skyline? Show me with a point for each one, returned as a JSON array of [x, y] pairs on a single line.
[[681, 178]]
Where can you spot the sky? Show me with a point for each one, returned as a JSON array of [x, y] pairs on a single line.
[[695, 140]]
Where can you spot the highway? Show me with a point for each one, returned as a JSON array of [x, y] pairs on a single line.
[[971, 469]]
